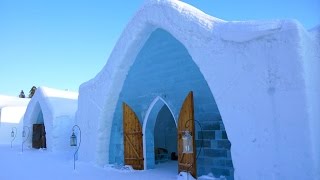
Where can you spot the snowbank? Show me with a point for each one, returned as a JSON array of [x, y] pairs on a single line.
[[264, 77], [12, 110], [56, 110]]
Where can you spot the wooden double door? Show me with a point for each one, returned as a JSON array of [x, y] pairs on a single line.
[[133, 142], [39, 136]]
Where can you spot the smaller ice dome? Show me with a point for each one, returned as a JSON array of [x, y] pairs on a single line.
[[55, 109]]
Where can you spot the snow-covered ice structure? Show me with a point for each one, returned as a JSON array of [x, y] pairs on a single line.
[[12, 110], [56, 110], [256, 89]]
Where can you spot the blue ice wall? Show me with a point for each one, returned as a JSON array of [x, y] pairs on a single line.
[[40, 118], [164, 68]]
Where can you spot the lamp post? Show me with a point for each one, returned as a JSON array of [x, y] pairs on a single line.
[[73, 142], [13, 134], [24, 135]]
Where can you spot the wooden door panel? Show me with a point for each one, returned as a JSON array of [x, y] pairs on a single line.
[[132, 137], [38, 136], [187, 162], [43, 137]]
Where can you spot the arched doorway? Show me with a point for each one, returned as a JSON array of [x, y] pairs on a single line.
[[165, 136], [159, 119], [164, 69], [38, 129]]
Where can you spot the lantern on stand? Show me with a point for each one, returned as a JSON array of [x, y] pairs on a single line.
[[73, 139], [74, 142], [13, 134], [24, 135]]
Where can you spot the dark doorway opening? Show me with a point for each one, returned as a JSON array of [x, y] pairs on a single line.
[[39, 136]]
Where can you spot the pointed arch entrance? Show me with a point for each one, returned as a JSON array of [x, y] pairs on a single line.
[[157, 106], [166, 71], [38, 129]]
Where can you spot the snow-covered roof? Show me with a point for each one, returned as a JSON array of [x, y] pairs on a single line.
[[61, 102], [183, 20], [13, 101]]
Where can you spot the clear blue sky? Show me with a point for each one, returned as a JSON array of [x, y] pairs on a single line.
[[63, 43]]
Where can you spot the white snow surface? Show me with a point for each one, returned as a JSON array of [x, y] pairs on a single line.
[[32, 163], [6, 101], [58, 108], [264, 77]]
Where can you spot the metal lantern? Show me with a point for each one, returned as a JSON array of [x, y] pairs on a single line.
[[73, 139], [73, 142], [187, 143], [13, 134]]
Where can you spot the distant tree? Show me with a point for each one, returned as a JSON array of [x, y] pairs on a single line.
[[21, 95], [32, 91]]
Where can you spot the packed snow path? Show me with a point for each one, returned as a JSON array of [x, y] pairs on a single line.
[[34, 164]]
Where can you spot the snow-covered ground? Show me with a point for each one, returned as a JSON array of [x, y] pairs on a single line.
[[43, 164]]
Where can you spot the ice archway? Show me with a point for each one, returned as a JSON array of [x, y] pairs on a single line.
[[254, 83]]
